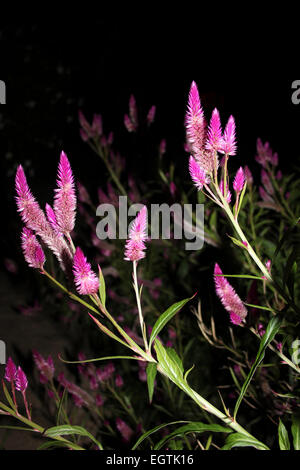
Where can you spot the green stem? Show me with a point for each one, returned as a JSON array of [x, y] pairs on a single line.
[[138, 301]]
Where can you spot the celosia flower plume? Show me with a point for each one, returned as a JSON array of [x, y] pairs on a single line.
[[135, 246], [194, 121], [229, 298], [32, 250], [44, 366], [65, 198], [10, 370], [239, 180], [214, 133], [229, 141], [21, 380], [197, 173], [86, 280]]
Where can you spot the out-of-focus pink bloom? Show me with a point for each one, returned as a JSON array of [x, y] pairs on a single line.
[[198, 175], [83, 195], [110, 138], [45, 367], [194, 121], [229, 141], [80, 396], [32, 250], [21, 380], [93, 383], [214, 135], [65, 198], [248, 175], [261, 330], [133, 110], [268, 265], [279, 175], [105, 373], [151, 115], [119, 381], [142, 371], [35, 219], [135, 246], [10, 370], [11, 265], [129, 124], [97, 129], [86, 280], [172, 333], [288, 195], [229, 298], [173, 188], [162, 147], [264, 195], [228, 193], [124, 429], [99, 400], [265, 154], [239, 181], [266, 181]]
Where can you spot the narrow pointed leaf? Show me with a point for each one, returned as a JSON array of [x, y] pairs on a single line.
[[242, 440], [296, 432], [67, 429], [151, 371], [102, 288], [153, 430], [283, 437]]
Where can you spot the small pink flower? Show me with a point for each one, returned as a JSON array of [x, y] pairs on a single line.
[[65, 198], [99, 400], [229, 141], [45, 367], [119, 381], [129, 124], [21, 380], [151, 115], [239, 181], [10, 370], [229, 298], [248, 175], [86, 280], [228, 193], [162, 147], [32, 250], [97, 125], [266, 181], [197, 173], [135, 246], [124, 429], [214, 134], [133, 111], [194, 121]]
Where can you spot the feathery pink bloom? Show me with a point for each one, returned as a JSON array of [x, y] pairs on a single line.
[[129, 124], [264, 195], [239, 180], [229, 141], [197, 173], [229, 298], [248, 175], [97, 129], [124, 429], [228, 193], [86, 280], [35, 219], [21, 380], [32, 250], [267, 183], [65, 198], [214, 135], [10, 370], [151, 115], [119, 381], [162, 147], [135, 246], [45, 367], [133, 111], [52, 220], [194, 121]]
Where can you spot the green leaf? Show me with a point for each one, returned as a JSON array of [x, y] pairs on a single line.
[[166, 317], [271, 331], [296, 432], [151, 371], [169, 363], [242, 440], [283, 437], [106, 358], [196, 427], [66, 429], [102, 289], [152, 431], [50, 444], [61, 405], [8, 397]]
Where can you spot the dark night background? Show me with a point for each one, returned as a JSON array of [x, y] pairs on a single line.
[[51, 71]]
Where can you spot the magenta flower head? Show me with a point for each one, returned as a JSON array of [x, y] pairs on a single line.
[[229, 298], [32, 250], [229, 142], [214, 134], [21, 380], [124, 429], [151, 115], [10, 370], [45, 367], [228, 193], [86, 280], [239, 181], [194, 121], [52, 219], [65, 198], [248, 175], [197, 173], [135, 246]]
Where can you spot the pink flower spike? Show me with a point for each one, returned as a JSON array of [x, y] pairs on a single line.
[[133, 111], [151, 115], [124, 429], [10, 370], [65, 198], [229, 298], [32, 250], [45, 367], [52, 219], [198, 175], [239, 181], [97, 125], [21, 380], [228, 193], [129, 124], [229, 142], [135, 246], [248, 175], [194, 121], [86, 281], [214, 135]]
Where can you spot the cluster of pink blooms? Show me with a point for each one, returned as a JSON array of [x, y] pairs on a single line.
[[44, 366], [18, 381], [229, 298], [94, 131], [53, 227], [131, 119]]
